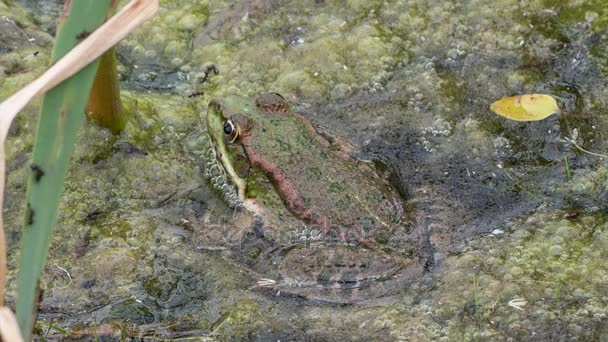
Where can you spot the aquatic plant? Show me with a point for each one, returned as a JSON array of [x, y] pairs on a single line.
[[567, 164], [104, 106], [61, 115]]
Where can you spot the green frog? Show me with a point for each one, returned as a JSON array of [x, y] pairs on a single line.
[[338, 228]]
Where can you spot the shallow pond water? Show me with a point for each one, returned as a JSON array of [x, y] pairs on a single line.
[[146, 248]]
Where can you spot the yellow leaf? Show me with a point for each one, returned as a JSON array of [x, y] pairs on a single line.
[[528, 107]]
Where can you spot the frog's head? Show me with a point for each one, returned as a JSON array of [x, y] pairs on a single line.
[[231, 121]]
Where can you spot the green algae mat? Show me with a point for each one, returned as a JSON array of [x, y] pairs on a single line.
[[146, 247]]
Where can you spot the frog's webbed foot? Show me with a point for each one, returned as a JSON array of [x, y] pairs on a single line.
[[259, 236]]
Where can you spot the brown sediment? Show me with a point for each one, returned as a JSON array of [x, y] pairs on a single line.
[[116, 327]]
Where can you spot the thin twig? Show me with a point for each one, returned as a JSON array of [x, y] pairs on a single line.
[[582, 149]]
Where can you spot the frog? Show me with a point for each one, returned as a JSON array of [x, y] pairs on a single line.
[[336, 228]]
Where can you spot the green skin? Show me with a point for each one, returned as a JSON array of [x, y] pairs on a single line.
[[315, 181], [282, 168]]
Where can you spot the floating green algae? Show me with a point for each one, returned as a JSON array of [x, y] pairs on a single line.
[[408, 82], [556, 266], [572, 12]]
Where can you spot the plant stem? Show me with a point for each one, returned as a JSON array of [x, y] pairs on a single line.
[[568, 172], [61, 115], [104, 106]]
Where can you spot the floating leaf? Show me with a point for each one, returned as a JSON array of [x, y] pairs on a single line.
[[528, 107]]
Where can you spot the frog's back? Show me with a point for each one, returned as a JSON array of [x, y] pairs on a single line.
[[333, 187]]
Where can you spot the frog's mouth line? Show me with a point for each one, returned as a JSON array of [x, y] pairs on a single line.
[[218, 177], [219, 170]]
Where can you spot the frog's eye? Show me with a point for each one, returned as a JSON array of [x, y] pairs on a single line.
[[231, 131]]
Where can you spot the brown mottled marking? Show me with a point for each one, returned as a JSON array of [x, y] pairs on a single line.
[[196, 94], [272, 102], [83, 35], [38, 172], [30, 214]]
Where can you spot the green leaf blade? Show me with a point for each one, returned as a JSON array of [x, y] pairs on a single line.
[[61, 116]]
